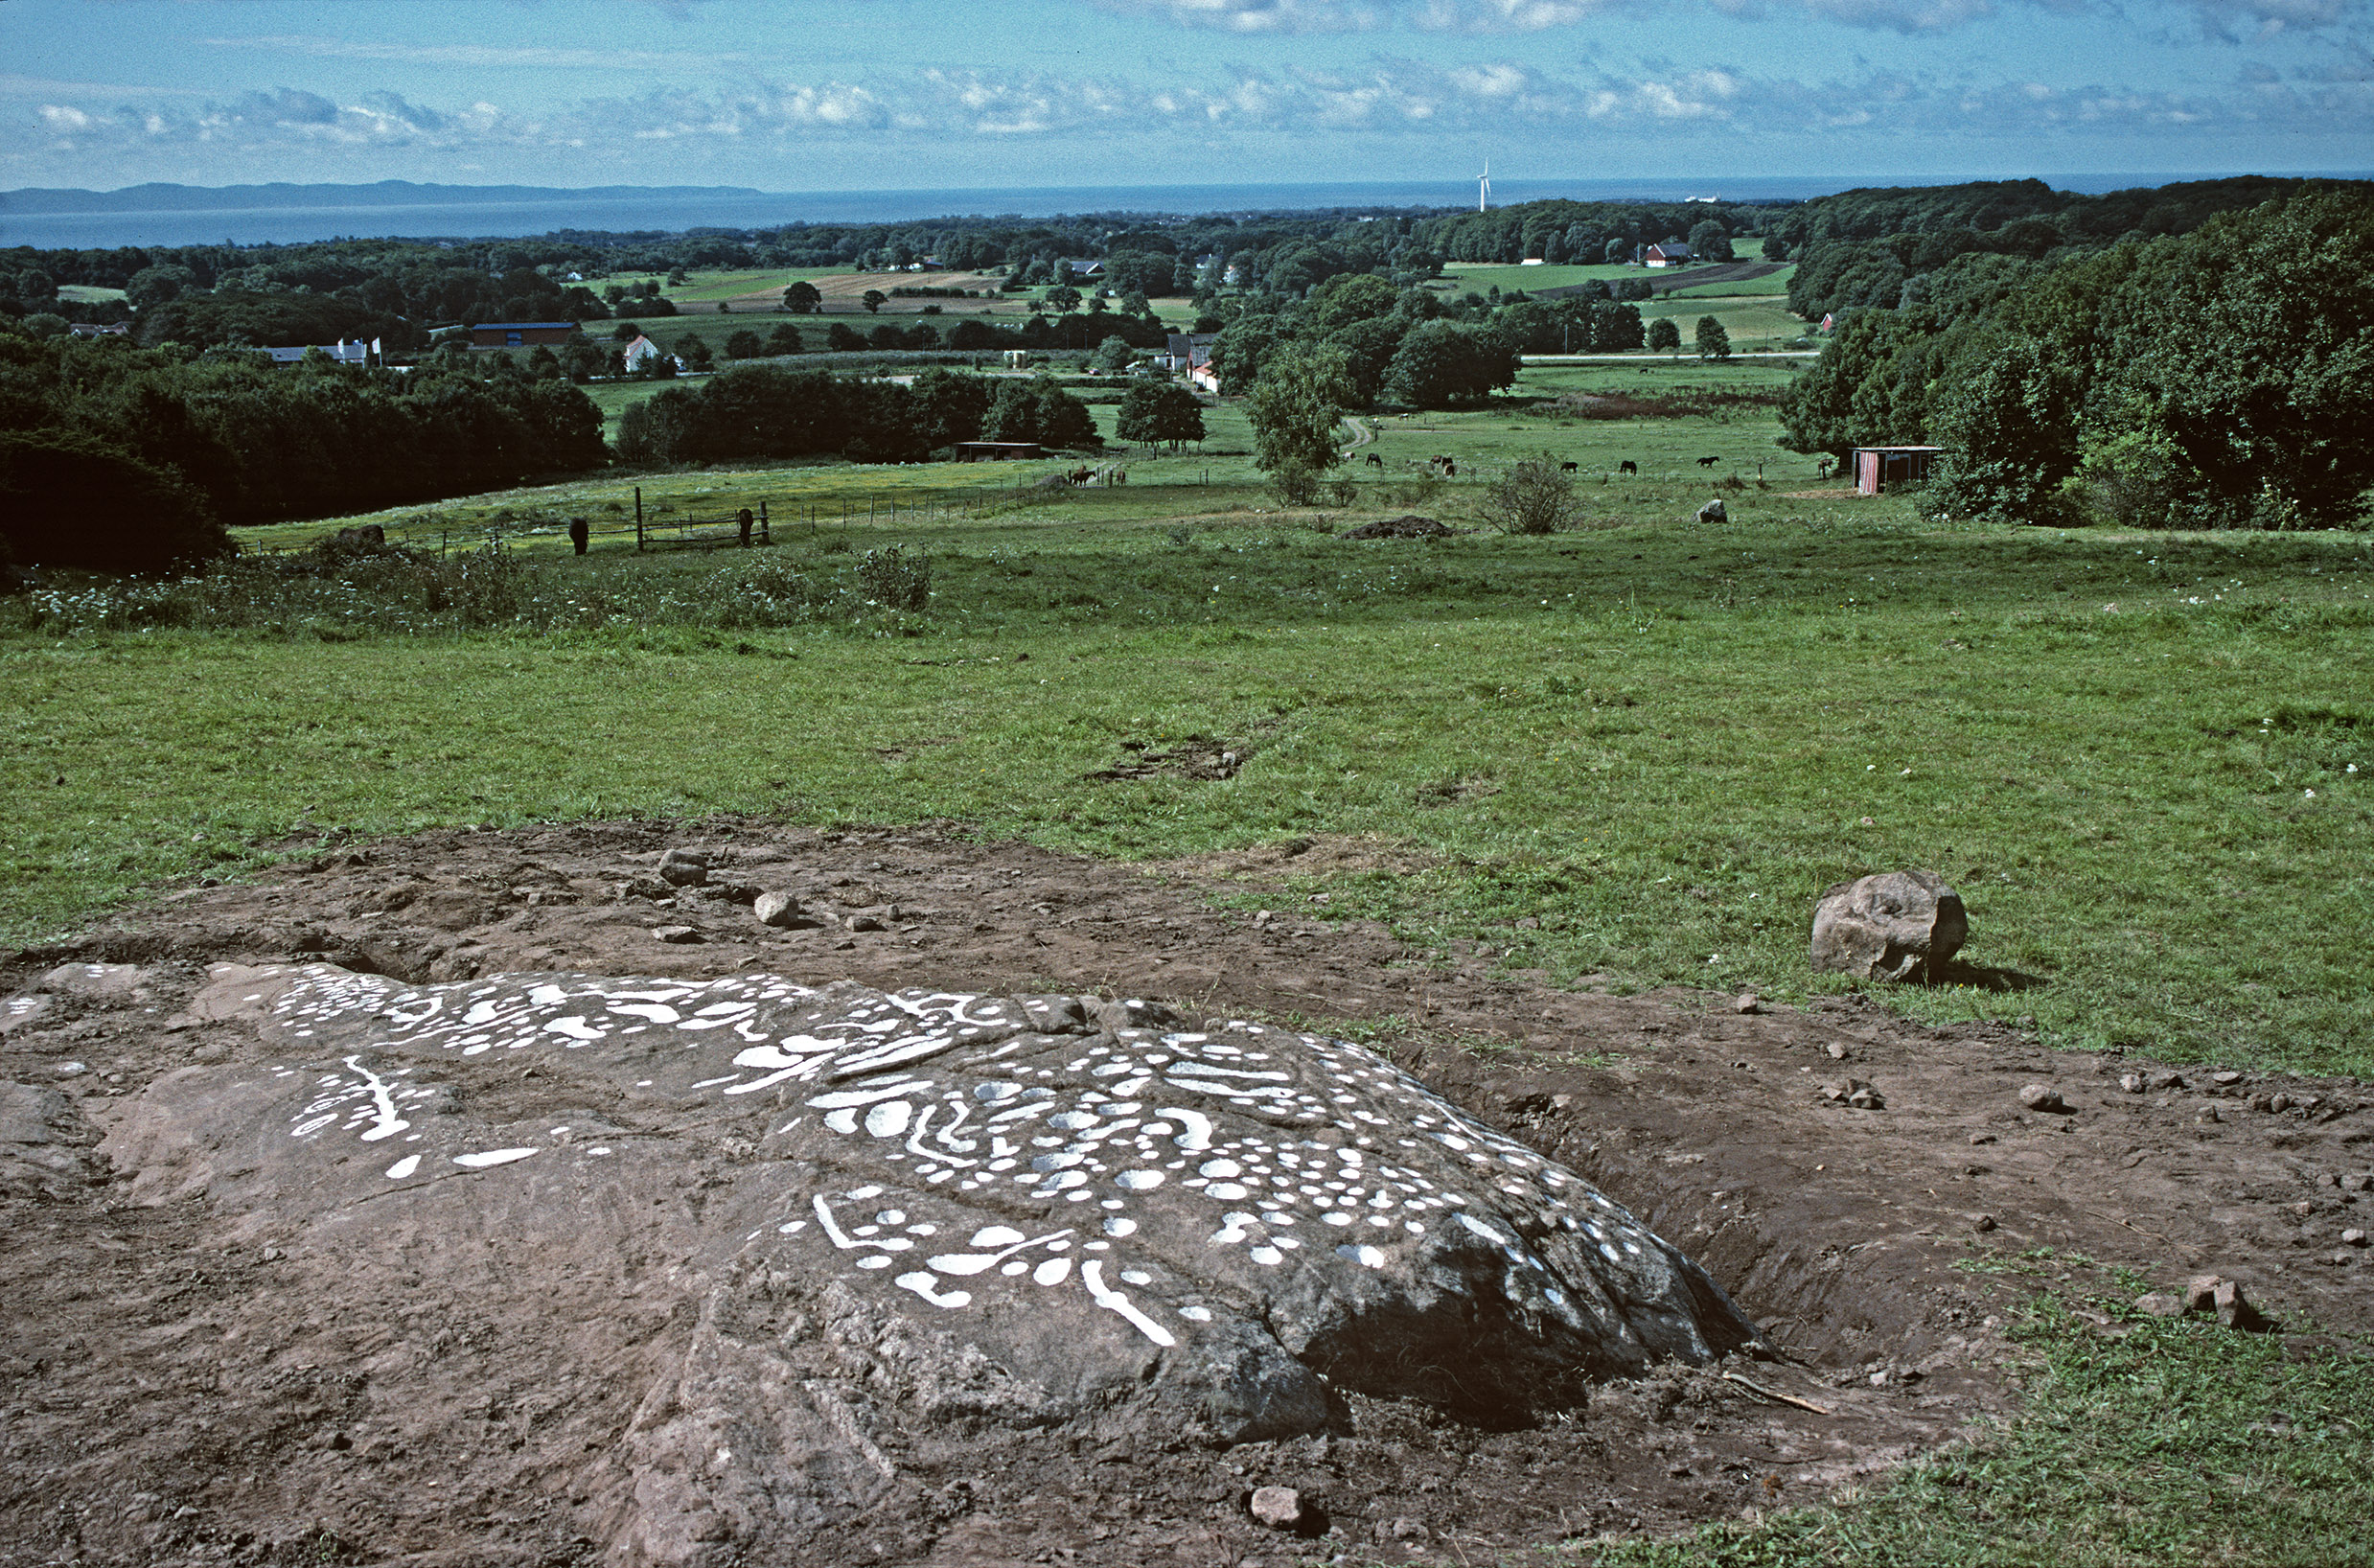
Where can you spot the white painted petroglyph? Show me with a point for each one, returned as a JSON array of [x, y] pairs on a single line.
[[1295, 1132]]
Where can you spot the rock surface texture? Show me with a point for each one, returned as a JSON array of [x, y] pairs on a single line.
[[1898, 925], [937, 1212]]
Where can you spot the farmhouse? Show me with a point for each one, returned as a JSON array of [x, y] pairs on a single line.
[[1191, 352], [356, 353], [635, 355], [95, 329], [1879, 469], [513, 334], [1672, 253], [1084, 267]]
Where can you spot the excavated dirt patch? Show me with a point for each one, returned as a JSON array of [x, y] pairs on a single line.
[[169, 1395]]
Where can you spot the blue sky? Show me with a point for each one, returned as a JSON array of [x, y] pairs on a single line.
[[991, 93]]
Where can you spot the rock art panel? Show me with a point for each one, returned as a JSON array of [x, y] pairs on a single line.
[[1026, 1211]]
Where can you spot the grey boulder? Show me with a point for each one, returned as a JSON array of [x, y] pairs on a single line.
[[891, 1223], [1896, 925]]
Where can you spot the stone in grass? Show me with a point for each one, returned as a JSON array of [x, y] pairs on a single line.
[[684, 868], [1898, 925], [775, 909], [2211, 1292], [1279, 1508], [2039, 1097], [2160, 1303], [1714, 512]]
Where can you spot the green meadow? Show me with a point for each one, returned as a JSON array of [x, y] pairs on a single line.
[[1630, 754], [2142, 757]]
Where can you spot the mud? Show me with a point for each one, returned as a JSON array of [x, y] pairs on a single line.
[[169, 1395]]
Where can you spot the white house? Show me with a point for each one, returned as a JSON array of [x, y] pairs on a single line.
[[637, 352]]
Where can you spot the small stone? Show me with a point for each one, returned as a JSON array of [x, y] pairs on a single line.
[[2303, 1209], [273, 1254], [1983, 1223], [337, 1441], [1713, 511], [2353, 1237], [2037, 1097], [1750, 1003], [2234, 1309], [2164, 1080], [1980, 1140], [775, 909], [1279, 1508], [2160, 1304], [1835, 1052], [2131, 1082], [2200, 1292], [2262, 1102], [2358, 1182], [2227, 1080], [2279, 1103], [2208, 1113], [1406, 1529], [684, 868], [864, 922], [676, 933], [1866, 1098]]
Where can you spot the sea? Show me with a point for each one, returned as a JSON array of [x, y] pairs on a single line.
[[253, 215]]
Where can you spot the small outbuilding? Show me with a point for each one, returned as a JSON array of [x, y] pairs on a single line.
[[1881, 468], [1672, 253], [998, 451]]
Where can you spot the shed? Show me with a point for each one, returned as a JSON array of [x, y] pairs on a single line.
[[998, 451], [1669, 254], [1878, 469], [513, 334]]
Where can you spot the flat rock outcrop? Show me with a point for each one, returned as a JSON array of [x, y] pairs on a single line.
[[899, 1217]]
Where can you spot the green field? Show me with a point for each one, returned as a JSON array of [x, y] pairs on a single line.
[[2143, 759]]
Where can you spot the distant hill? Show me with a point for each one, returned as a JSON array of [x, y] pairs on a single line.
[[387, 192]]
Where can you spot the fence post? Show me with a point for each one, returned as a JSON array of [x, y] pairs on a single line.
[[764, 538], [638, 520]]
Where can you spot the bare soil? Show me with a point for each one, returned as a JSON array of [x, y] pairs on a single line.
[[162, 1402]]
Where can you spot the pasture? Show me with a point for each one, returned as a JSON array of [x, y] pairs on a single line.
[[1626, 755]]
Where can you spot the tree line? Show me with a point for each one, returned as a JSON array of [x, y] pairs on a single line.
[[123, 459], [2218, 378], [754, 412]]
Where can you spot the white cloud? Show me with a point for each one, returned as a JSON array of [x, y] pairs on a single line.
[[2223, 17], [979, 112]]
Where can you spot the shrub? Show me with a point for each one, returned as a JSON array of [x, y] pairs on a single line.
[[69, 499], [1534, 497], [895, 580]]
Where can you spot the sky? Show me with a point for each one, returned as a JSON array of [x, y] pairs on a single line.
[[901, 94]]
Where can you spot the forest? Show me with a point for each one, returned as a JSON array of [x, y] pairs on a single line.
[[2221, 377]]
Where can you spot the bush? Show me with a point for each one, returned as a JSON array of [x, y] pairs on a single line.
[[1534, 497], [895, 580]]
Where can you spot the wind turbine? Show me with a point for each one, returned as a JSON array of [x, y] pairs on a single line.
[[1484, 187]]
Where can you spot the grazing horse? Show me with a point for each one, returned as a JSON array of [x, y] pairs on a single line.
[[1708, 462], [1081, 476], [1628, 466], [1375, 461], [1566, 468], [1822, 468]]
